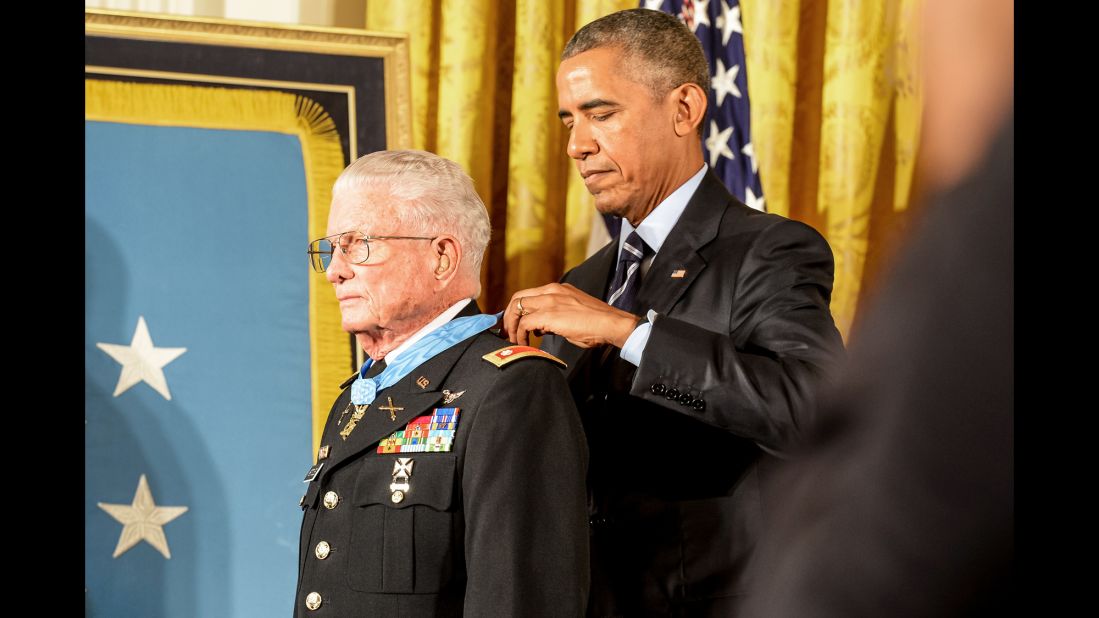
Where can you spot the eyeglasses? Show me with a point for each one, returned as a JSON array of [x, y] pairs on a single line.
[[354, 245]]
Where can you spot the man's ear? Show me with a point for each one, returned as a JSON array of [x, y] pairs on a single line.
[[448, 257], [690, 108]]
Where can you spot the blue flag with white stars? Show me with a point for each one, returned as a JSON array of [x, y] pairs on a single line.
[[727, 131], [196, 379]]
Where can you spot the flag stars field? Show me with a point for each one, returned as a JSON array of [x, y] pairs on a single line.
[[141, 361], [142, 520]]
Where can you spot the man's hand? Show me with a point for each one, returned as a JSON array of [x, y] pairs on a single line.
[[585, 321]]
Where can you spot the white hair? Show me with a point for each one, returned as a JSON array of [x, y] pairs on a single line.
[[432, 194]]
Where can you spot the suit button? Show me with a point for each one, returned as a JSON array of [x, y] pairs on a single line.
[[331, 499], [313, 601], [322, 550], [658, 389], [673, 394], [699, 405]]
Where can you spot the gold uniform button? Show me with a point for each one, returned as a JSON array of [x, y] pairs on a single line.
[[331, 499], [322, 550], [397, 496], [313, 601]]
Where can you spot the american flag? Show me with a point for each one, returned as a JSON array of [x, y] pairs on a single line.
[[727, 131]]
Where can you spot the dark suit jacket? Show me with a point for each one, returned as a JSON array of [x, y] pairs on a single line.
[[676, 501], [496, 527], [903, 504]]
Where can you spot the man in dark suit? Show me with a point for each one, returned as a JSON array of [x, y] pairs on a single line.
[[450, 477], [902, 503], [690, 368]]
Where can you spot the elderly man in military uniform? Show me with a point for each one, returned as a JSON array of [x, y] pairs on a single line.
[[450, 476]]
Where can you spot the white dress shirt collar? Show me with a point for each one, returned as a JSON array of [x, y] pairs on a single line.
[[656, 226], [441, 319]]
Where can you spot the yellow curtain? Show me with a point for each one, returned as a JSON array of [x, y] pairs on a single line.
[[835, 122], [483, 95]]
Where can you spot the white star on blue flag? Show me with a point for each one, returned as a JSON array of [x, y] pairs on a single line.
[[717, 24]]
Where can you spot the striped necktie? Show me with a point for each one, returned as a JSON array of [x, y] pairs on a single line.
[[627, 279]]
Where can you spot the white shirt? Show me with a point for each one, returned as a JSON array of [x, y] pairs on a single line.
[[441, 319], [654, 230]]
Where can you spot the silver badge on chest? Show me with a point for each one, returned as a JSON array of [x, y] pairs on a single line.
[[402, 471]]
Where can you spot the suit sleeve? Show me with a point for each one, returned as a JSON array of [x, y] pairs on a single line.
[[523, 486], [756, 380]]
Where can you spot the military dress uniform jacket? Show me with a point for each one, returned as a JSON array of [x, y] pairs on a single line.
[[497, 526], [679, 444]]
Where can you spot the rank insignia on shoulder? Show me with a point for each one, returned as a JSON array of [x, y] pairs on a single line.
[[512, 353], [430, 433]]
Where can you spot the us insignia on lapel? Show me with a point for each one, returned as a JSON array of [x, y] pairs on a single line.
[[430, 433]]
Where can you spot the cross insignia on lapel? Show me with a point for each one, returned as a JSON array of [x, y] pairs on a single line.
[[393, 410]]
